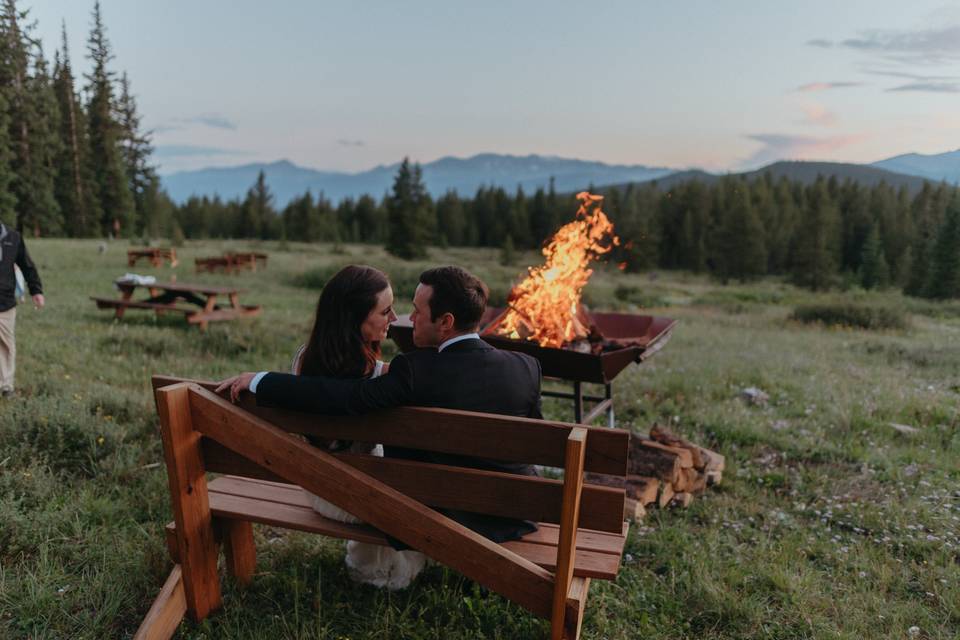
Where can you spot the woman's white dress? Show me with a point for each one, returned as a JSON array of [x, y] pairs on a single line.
[[369, 563]]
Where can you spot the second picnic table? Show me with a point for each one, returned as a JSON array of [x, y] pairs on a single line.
[[164, 297], [156, 256]]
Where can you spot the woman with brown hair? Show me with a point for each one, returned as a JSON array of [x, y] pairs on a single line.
[[353, 315]]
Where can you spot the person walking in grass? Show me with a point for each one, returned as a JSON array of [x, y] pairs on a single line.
[[13, 251]]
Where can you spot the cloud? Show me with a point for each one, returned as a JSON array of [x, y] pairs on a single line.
[[787, 147], [917, 46], [343, 142], [819, 115], [825, 86], [214, 120], [933, 87], [909, 76], [189, 150]]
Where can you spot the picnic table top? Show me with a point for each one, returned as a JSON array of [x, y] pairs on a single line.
[[149, 250], [207, 289]]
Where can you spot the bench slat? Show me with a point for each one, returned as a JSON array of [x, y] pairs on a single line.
[[293, 495], [494, 493], [105, 303], [227, 313], [493, 436], [269, 505]]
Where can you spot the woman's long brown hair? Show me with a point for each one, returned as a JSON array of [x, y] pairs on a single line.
[[336, 347]]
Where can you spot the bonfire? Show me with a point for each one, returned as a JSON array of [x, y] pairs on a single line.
[[545, 307]]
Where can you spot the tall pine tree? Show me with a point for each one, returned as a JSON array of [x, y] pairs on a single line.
[[136, 149], [32, 122], [874, 271], [113, 192], [817, 243], [73, 185], [945, 264], [408, 212]]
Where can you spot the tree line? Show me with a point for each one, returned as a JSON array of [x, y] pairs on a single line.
[[74, 160], [826, 234]]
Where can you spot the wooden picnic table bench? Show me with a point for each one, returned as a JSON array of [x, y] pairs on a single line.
[[164, 297], [231, 262], [269, 468], [156, 256]]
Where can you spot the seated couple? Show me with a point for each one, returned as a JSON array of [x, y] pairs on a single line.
[[338, 371]]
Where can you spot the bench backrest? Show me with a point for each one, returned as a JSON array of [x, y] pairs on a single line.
[[448, 431]]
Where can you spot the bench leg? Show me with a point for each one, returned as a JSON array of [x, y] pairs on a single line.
[[167, 610], [576, 604], [239, 549]]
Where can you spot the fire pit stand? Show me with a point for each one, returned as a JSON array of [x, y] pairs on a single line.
[[604, 403], [628, 338]]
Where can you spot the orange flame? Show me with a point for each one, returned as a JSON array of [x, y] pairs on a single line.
[[545, 307]]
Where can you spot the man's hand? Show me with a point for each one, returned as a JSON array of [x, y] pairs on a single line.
[[38, 301], [236, 384]]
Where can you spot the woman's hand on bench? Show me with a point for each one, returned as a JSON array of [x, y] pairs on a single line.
[[236, 384]]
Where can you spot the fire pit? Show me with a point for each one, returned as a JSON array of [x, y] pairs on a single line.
[[544, 317], [628, 338]]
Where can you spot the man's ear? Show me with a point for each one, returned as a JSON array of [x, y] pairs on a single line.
[[447, 322]]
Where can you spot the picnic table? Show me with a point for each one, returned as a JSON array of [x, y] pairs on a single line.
[[156, 256], [232, 261], [165, 296]]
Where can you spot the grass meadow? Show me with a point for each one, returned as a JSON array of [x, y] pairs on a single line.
[[829, 522]]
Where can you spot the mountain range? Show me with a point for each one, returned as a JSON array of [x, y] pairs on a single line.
[[465, 175]]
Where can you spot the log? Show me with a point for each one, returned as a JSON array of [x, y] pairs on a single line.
[[664, 436], [633, 510], [650, 461], [714, 462], [666, 494], [691, 481], [682, 500], [684, 455], [643, 489]]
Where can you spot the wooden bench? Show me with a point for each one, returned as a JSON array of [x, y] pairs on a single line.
[[269, 468]]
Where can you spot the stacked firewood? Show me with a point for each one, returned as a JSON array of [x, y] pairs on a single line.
[[664, 470]]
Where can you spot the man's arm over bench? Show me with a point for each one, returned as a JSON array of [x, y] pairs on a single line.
[[337, 396]]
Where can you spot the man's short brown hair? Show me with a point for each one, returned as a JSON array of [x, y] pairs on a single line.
[[458, 292]]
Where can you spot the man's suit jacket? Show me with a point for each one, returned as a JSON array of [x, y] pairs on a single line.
[[469, 375]]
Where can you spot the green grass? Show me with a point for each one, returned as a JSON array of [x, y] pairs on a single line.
[[828, 524]]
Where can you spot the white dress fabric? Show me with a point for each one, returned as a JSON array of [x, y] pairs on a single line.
[[372, 564]]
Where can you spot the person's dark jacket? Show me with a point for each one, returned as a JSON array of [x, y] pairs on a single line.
[[469, 375], [14, 251]]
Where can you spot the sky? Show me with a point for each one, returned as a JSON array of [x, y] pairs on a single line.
[[345, 86]]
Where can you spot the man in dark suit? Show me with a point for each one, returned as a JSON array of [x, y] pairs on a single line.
[[452, 369]]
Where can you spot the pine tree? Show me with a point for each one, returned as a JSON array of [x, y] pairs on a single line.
[[408, 211], [33, 116], [739, 250], [508, 254], [817, 245], [74, 185], [874, 271], [256, 212], [136, 150], [945, 263], [8, 200], [451, 220], [110, 176]]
